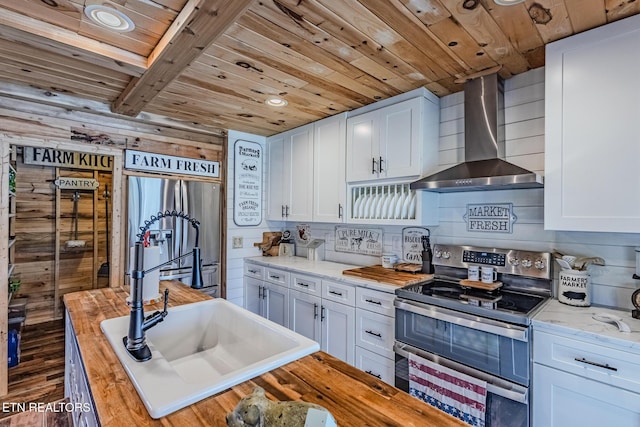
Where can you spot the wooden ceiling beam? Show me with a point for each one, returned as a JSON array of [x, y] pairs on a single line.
[[197, 26], [23, 29]]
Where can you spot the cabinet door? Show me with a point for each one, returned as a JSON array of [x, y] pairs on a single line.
[[329, 185], [276, 306], [304, 312], [253, 295], [561, 399], [591, 130], [338, 330], [275, 178], [400, 139], [298, 173], [362, 147]]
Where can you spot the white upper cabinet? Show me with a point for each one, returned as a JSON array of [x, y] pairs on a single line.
[[329, 150], [396, 141], [592, 141], [291, 175]]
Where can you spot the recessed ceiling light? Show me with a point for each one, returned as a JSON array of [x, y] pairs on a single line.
[[274, 101], [507, 2], [109, 17]]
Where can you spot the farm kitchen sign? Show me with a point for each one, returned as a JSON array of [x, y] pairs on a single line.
[[67, 159], [151, 162], [490, 217]]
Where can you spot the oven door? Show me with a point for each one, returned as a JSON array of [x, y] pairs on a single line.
[[507, 403], [495, 347]]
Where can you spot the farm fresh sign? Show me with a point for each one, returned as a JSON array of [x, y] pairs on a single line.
[[490, 217], [151, 162]]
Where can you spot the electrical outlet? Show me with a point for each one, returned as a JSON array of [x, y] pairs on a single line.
[[237, 242]]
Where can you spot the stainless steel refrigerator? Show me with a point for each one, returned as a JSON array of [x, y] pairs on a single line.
[[174, 236]]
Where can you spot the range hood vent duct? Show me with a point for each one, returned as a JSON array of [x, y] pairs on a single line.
[[483, 168]]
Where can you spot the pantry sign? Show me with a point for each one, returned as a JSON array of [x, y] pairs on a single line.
[[490, 217]]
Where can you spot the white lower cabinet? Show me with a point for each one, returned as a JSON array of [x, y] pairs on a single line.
[[330, 323], [583, 383], [268, 298], [375, 323], [76, 387]]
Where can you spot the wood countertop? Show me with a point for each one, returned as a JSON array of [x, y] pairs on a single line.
[[353, 397]]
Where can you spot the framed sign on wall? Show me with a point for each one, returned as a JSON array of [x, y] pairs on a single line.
[[247, 183]]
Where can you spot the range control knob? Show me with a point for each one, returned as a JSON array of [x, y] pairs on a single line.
[[539, 264], [437, 253], [526, 263], [514, 261], [446, 255]]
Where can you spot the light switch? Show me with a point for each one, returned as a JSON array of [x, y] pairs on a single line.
[[238, 242]]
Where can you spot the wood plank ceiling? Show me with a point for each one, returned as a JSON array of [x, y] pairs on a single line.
[[212, 63]]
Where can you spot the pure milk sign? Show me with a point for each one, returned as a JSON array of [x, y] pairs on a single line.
[[490, 217]]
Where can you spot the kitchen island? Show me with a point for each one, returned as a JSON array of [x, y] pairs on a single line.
[[352, 396]]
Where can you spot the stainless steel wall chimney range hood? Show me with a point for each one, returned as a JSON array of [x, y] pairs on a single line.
[[483, 168]]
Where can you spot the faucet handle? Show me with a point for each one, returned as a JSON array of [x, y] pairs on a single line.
[[166, 301]]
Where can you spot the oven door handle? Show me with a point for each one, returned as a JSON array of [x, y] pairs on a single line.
[[491, 326], [495, 385]]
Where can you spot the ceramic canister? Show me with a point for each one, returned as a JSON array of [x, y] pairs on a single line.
[[389, 260], [574, 288]]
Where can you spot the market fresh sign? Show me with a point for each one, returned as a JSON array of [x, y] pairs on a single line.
[[490, 217], [151, 162], [247, 183], [67, 159]]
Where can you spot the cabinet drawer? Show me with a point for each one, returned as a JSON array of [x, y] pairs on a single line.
[[375, 332], [376, 301], [589, 360], [339, 292], [253, 270], [274, 275], [304, 283], [376, 365]]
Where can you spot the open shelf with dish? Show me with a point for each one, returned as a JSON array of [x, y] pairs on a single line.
[[391, 203]]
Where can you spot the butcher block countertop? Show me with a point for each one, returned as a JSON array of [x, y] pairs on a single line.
[[353, 397]]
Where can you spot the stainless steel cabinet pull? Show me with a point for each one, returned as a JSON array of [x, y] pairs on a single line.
[[373, 166], [378, 376], [370, 301], [381, 170], [375, 334], [599, 365], [322, 313], [335, 293], [315, 310]]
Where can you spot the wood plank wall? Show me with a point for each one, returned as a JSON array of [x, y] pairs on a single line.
[[24, 122]]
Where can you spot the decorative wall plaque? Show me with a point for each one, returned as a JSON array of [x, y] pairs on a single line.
[[412, 244], [359, 240], [490, 217], [70, 183], [247, 183], [152, 162], [67, 159]]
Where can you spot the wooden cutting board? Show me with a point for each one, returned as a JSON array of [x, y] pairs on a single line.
[[378, 273]]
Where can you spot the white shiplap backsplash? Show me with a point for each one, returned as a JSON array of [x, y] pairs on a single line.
[[524, 146]]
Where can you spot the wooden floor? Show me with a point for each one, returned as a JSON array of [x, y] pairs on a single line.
[[39, 377]]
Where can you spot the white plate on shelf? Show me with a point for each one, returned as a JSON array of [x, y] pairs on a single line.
[[412, 207], [379, 206], [371, 210], [356, 206], [398, 212], [366, 206], [361, 209], [405, 206], [393, 199], [385, 206]]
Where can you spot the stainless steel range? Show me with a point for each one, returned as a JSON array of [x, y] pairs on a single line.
[[480, 330]]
